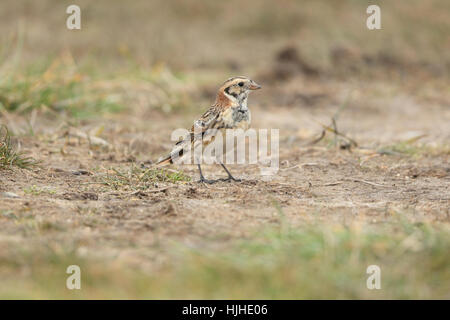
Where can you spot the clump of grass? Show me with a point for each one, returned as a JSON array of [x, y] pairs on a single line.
[[136, 178], [414, 150], [64, 88], [35, 190], [9, 156], [164, 175], [57, 91]]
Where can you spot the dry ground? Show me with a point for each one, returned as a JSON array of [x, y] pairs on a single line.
[[330, 211]]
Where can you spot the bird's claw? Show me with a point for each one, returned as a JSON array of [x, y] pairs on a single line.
[[230, 178], [203, 180]]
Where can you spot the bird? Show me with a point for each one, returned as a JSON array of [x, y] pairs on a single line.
[[229, 111]]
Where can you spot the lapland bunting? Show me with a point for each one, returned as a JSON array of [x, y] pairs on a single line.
[[229, 111]]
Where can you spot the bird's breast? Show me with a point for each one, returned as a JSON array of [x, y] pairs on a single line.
[[236, 118]]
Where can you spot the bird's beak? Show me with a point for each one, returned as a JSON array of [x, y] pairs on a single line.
[[255, 86]]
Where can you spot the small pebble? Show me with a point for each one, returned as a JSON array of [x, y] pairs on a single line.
[[81, 172]]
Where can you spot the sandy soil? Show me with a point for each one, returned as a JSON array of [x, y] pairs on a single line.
[[66, 199]]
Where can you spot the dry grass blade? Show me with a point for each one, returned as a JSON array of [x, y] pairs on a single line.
[[322, 135], [333, 128]]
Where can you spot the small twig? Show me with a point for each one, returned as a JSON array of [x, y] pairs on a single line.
[[333, 127], [332, 184], [337, 133], [149, 191], [290, 168], [84, 183], [311, 164], [366, 182], [301, 165], [282, 185], [368, 158]]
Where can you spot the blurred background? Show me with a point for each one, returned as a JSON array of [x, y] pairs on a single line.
[[240, 37], [156, 55]]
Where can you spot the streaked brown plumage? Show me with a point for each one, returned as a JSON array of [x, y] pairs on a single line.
[[229, 111]]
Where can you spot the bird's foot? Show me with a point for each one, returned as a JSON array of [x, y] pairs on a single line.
[[203, 180], [230, 178]]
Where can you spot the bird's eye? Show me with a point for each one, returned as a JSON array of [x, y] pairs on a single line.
[[240, 84]]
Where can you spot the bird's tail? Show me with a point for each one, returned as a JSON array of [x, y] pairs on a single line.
[[175, 154]]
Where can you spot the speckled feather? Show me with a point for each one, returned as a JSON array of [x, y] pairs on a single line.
[[229, 111]]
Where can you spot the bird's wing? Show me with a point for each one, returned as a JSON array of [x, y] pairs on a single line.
[[208, 121]]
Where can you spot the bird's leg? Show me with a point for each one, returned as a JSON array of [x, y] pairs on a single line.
[[230, 177], [202, 178]]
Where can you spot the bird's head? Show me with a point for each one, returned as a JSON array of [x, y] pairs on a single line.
[[236, 90]]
